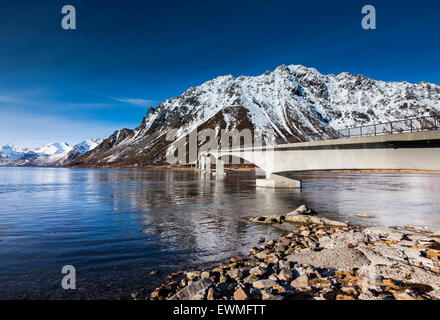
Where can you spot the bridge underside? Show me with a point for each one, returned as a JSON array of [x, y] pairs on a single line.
[[412, 151]]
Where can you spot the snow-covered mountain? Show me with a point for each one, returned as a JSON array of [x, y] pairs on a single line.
[[53, 154], [80, 149], [295, 102], [11, 152]]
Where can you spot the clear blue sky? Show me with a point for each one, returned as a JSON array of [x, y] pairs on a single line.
[[58, 85]]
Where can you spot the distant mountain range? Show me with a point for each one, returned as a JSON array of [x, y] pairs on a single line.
[[54, 154], [295, 102]]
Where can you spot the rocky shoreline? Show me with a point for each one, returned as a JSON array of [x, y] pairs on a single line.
[[320, 259]]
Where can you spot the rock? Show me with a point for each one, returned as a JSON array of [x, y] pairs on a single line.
[[257, 271], [223, 279], [273, 277], [349, 291], [265, 295], [271, 243], [285, 275], [195, 291], [364, 216], [234, 273], [302, 210], [340, 258], [193, 275], [314, 220], [206, 275], [271, 259], [263, 284], [161, 292], [210, 294], [261, 239], [301, 282], [154, 272], [284, 264], [344, 297], [305, 233], [250, 279], [261, 255], [280, 288], [240, 294]]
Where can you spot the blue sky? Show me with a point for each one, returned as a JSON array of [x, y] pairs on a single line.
[[58, 85]]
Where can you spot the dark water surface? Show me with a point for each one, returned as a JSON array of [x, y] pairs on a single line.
[[115, 226]]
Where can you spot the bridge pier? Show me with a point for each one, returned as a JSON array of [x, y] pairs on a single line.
[[277, 181], [220, 169], [208, 164], [202, 163]]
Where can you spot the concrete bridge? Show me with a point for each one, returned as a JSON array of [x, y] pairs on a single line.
[[411, 151]]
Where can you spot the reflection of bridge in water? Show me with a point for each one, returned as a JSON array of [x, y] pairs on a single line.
[[411, 144]]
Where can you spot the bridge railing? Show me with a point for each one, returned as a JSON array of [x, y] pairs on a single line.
[[399, 126]]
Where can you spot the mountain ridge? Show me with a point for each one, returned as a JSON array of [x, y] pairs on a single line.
[[52, 154]]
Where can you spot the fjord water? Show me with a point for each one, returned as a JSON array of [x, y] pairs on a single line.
[[116, 226]]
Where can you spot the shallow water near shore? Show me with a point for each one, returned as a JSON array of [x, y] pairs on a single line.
[[116, 226]]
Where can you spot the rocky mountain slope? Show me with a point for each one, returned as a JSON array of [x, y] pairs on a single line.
[[54, 154], [295, 102]]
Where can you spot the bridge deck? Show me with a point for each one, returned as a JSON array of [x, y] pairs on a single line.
[[400, 137]]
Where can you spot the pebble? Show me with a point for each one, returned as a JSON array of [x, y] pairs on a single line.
[[240, 294], [263, 284], [193, 275], [257, 271], [285, 275], [301, 282]]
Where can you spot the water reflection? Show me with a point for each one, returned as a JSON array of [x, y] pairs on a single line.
[[115, 226]]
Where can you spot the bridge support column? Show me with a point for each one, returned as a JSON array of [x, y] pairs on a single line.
[[202, 163], [276, 181], [220, 169], [208, 164]]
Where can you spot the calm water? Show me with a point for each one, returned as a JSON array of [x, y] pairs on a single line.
[[115, 226]]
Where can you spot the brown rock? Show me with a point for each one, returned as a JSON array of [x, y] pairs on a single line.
[[263, 284], [193, 275], [344, 297], [265, 295], [257, 271], [210, 294], [301, 282], [285, 275], [305, 233], [240, 294]]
